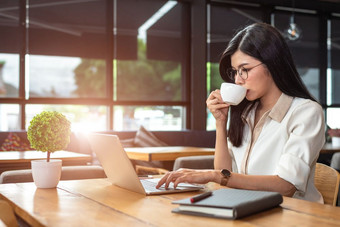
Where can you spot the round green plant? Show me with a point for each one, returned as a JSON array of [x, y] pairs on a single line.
[[49, 131]]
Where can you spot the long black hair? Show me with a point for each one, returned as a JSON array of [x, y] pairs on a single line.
[[265, 43]]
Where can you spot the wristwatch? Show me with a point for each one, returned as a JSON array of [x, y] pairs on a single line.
[[225, 176]]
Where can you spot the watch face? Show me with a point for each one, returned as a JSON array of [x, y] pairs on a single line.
[[225, 172]]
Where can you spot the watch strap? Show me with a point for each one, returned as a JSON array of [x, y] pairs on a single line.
[[225, 177], [224, 181]]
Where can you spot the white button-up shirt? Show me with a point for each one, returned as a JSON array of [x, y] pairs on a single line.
[[286, 142]]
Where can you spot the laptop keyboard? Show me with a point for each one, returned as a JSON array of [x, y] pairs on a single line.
[[150, 185]]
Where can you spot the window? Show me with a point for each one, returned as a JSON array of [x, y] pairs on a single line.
[[306, 45], [67, 49], [333, 75], [10, 45], [129, 118], [9, 117], [154, 72], [57, 76], [105, 64], [153, 68]]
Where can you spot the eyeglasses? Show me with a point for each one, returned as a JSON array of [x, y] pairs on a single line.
[[242, 72]]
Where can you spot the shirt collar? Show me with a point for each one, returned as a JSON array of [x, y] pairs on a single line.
[[281, 107]]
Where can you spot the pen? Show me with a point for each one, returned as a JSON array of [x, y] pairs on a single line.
[[200, 197]]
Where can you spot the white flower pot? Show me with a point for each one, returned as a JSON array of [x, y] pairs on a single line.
[[46, 174], [336, 141]]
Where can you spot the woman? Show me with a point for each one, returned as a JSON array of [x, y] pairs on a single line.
[[275, 134]]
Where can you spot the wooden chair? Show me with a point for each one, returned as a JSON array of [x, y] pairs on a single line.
[[327, 180]]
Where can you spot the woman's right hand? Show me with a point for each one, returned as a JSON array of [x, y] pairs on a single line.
[[217, 107], [198, 176]]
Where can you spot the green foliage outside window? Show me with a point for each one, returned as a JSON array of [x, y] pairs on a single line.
[[215, 78], [141, 79]]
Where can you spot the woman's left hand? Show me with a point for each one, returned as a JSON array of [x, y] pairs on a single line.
[[188, 176]]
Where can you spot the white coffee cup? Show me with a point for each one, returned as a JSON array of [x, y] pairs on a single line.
[[232, 94]]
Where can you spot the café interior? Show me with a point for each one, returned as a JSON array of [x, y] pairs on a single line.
[[142, 70]]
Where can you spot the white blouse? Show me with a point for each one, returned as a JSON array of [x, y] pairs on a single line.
[[285, 142]]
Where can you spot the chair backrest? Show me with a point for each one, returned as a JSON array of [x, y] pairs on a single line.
[[327, 181], [67, 173]]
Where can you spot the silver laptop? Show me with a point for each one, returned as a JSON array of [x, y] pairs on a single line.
[[119, 170]]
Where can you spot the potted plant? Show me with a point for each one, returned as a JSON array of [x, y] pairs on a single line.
[[48, 132], [335, 134]]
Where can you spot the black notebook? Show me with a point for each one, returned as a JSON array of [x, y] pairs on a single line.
[[230, 203]]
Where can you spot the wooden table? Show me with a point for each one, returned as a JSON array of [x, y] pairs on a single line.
[[97, 202], [12, 160], [166, 153], [328, 148], [170, 153]]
